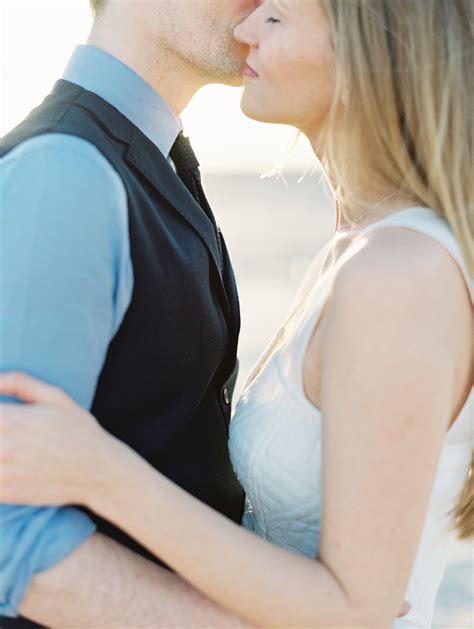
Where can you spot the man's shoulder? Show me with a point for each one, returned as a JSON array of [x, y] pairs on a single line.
[[54, 147], [52, 158], [65, 180]]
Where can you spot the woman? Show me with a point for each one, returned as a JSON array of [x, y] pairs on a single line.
[[363, 402]]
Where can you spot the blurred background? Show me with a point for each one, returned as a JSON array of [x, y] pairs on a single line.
[[274, 226]]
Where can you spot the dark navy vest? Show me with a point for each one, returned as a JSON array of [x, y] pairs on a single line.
[[169, 374]]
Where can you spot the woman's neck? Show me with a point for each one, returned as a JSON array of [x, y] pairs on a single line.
[[377, 203], [358, 216]]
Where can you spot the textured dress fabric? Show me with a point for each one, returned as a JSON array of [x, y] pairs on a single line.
[[275, 436]]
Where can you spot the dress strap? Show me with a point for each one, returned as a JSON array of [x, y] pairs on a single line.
[[428, 222]]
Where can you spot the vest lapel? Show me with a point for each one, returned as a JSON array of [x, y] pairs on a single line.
[[143, 155], [147, 159], [231, 289]]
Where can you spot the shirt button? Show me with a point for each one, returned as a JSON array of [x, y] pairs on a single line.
[[226, 396]]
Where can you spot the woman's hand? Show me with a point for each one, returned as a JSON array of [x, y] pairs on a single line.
[[52, 451]]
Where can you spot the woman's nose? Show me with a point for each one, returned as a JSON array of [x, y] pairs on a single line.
[[247, 31]]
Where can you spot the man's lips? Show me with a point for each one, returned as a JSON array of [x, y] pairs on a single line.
[[250, 72]]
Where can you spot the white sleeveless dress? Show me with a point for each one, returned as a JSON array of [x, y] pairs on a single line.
[[275, 435]]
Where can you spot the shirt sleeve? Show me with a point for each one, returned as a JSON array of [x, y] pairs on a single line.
[[65, 284]]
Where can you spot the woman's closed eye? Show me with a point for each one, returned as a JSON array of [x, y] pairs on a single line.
[[272, 20]]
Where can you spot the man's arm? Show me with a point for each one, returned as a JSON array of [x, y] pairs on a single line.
[[65, 284], [103, 584]]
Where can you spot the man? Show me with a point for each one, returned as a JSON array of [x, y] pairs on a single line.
[[117, 287]]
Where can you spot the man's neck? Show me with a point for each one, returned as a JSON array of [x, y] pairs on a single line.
[[175, 81]]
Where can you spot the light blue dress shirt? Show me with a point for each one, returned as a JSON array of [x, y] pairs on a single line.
[[66, 282]]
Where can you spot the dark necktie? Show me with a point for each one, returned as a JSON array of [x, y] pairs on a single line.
[[187, 168]]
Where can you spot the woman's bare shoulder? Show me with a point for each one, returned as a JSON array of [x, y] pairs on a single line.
[[403, 291], [404, 265], [399, 313]]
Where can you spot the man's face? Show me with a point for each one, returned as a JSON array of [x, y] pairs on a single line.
[[200, 33]]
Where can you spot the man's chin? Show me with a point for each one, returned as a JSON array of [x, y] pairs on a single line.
[[236, 81], [231, 79]]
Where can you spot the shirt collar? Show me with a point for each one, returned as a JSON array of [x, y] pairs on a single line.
[[97, 71]]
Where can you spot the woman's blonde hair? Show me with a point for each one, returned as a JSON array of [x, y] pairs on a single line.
[[405, 72], [97, 6]]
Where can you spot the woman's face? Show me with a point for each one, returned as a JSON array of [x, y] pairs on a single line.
[[290, 72]]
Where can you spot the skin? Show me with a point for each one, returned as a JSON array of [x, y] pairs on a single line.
[[346, 585], [290, 50], [177, 46], [422, 367]]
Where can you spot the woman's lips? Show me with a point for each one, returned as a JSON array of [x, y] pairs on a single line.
[[250, 72]]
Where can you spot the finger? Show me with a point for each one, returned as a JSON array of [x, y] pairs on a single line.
[[29, 389], [405, 609]]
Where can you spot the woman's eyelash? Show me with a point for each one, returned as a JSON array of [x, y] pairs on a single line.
[[272, 20]]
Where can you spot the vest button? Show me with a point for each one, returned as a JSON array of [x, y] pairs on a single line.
[[226, 396]]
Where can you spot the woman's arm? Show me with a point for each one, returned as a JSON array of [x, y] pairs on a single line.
[[389, 372], [388, 382]]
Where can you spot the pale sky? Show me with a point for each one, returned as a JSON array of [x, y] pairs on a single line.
[[37, 38]]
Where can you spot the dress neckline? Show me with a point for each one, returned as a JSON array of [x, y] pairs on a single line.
[[415, 208]]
